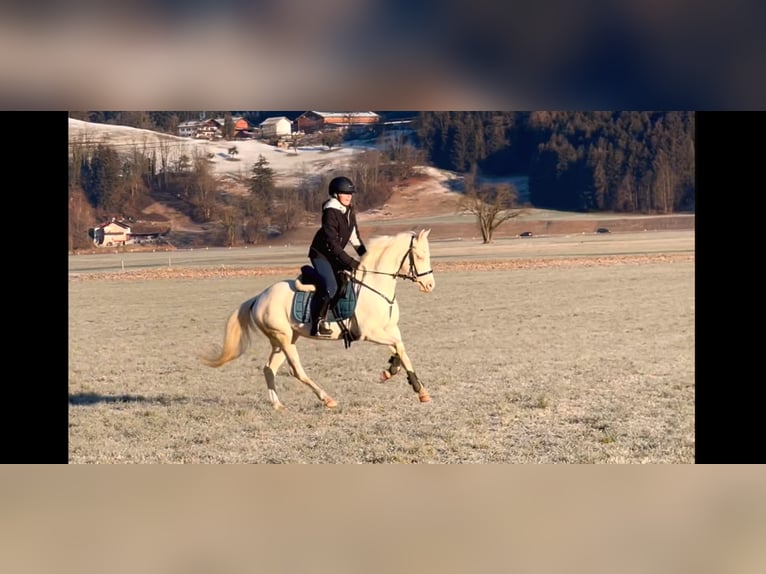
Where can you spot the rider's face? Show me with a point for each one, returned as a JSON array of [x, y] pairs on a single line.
[[345, 198]]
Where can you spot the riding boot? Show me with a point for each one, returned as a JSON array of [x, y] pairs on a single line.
[[319, 324]]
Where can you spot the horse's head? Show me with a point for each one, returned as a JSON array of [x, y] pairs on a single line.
[[405, 255], [420, 262]]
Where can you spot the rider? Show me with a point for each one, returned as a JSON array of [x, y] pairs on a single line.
[[327, 251]]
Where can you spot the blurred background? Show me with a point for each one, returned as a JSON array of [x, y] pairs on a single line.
[[182, 519], [371, 54]]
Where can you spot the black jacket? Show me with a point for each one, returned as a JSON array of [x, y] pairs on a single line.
[[331, 239]]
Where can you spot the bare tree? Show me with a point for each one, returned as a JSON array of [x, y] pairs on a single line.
[[203, 189], [367, 172], [81, 216], [295, 140], [285, 209], [79, 157], [164, 150], [229, 218], [492, 204], [135, 174], [665, 181], [331, 138], [312, 192], [254, 218], [228, 126], [403, 156]]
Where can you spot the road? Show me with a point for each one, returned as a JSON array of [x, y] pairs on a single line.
[[575, 245]]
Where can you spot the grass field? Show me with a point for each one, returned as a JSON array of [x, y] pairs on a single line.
[[574, 350]]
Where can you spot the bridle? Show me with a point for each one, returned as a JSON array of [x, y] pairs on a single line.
[[412, 273]]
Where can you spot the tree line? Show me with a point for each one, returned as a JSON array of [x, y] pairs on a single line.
[[629, 161]]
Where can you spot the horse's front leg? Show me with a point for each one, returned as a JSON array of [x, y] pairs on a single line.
[[399, 358], [394, 365]]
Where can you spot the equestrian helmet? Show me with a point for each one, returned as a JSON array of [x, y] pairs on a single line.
[[341, 185]]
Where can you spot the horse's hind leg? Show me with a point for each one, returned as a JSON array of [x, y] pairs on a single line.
[[276, 358], [291, 352]]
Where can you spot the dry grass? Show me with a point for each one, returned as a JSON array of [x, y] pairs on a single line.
[[540, 364]]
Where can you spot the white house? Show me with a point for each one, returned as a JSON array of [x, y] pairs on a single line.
[[110, 233], [276, 127], [188, 129]]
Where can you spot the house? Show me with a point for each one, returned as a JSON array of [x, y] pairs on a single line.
[[208, 130], [313, 121], [115, 233], [188, 129], [200, 129], [276, 127], [111, 233]]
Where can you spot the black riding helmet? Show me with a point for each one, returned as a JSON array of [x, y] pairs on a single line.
[[341, 185]]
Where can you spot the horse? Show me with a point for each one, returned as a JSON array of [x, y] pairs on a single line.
[[375, 318]]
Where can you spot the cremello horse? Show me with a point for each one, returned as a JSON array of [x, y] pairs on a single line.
[[376, 317]]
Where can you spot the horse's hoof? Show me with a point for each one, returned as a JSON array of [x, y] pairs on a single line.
[[424, 397], [279, 407], [330, 403], [384, 376]]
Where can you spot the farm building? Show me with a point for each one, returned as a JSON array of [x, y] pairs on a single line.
[[111, 233], [241, 126], [115, 233], [313, 121], [276, 127], [239, 122]]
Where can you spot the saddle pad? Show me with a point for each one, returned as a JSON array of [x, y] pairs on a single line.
[[345, 307]]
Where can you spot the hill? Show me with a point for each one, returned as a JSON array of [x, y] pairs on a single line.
[[427, 200]]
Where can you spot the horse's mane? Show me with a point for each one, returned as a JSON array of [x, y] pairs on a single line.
[[378, 244]]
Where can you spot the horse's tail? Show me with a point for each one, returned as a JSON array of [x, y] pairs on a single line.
[[236, 337]]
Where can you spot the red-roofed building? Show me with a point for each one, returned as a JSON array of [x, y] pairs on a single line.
[[313, 121]]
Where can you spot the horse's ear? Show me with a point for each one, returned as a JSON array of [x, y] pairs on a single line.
[[423, 234]]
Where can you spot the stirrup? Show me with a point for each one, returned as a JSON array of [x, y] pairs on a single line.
[[323, 328]]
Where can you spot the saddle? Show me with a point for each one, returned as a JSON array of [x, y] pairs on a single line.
[[342, 307]]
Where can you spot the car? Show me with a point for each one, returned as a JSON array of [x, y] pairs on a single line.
[[525, 234], [602, 230]]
